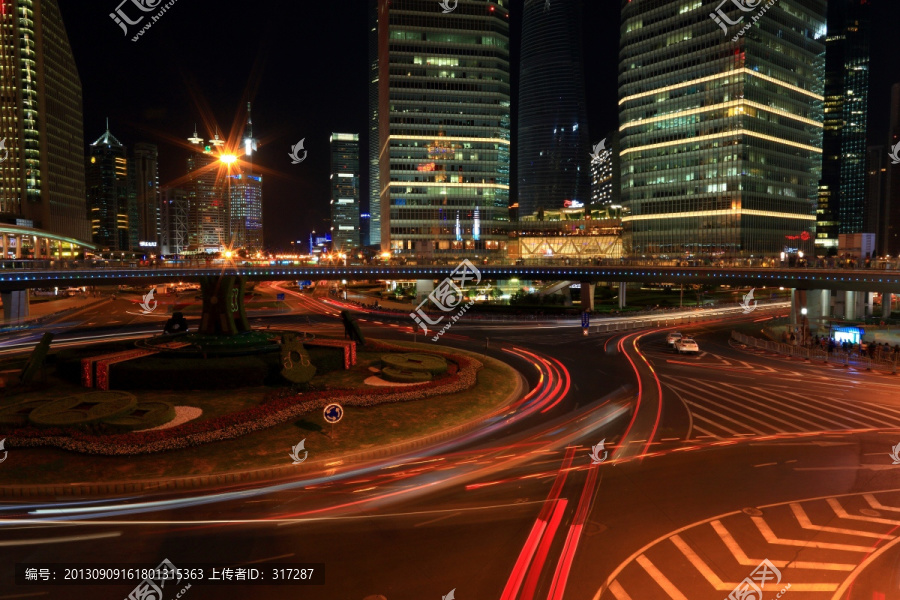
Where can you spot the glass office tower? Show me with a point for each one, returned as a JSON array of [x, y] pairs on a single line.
[[345, 191], [720, 126], [444, 110], [842, 199], [553, 142], [374, 232], [245, 196], [111, 197], [41, 125], [146, 176], [207, 215]]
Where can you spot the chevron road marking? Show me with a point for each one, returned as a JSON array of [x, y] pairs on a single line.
[[743, 560], [771, 538], [618, 591], [841, 513], [805, 523], [667, 586]]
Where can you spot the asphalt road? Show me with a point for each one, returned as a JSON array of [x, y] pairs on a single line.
[[711, 464]]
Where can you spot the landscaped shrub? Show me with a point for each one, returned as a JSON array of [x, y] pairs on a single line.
[[326, 359], [82, 409], [158, 373], [415, 362], [402, 376], [145, 415], [17, 414]]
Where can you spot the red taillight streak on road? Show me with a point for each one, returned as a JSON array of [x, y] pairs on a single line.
[[543, 549], [564, 373], [551, 371], [658, 389], [637, 406], [514, 583], [564, 566]]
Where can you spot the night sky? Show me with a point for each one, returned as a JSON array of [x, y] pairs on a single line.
[[304, 64]]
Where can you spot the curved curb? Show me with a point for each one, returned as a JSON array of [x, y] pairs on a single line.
[[271, 474]]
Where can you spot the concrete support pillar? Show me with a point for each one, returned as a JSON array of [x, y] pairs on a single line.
[[868, 303], [423, 288], [887, 301], [818, 310], [15, 305], [19, 246], [800, 299], [850, 305], [623, 288], [587, 295], [4, 242]]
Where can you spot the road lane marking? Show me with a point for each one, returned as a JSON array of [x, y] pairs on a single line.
[[618, 591], [659, 578], [771, 538], [805, 523], [745, 561], [843, 514]]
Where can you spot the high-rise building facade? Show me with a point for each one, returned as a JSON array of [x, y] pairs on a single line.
[[173, 217], [207, 215], [111, 199], [553, 141], [345, 194], [42, 178], [146, 185], [444, 127], [720, 133], [891, 206], [605, 173], [842, 198], [245, 211], [374, 235]]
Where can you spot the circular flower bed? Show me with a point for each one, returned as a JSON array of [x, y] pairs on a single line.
[[279, 407]]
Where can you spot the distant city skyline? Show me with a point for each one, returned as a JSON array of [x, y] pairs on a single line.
[[155, 103]]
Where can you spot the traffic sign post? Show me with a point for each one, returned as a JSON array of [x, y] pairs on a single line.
[[585, 322], [333, 413]]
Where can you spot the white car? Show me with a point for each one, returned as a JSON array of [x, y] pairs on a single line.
[[685, 345], [673, 338]]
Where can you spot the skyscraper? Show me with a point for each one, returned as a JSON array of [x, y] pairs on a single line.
[[374, 235], [891, 205], [206, 196], [245, 211], [553, 142], [444, 119], [245, 219], [174, 211], [146, 178], [721, 134], [41, 125], [605, 171], [345, 194], [110, 195], [842, 189]]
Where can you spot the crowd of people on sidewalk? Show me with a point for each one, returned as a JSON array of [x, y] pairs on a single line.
[[873, 350]]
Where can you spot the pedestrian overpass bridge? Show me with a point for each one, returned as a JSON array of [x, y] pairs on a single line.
[[44, 275], [824, 293]]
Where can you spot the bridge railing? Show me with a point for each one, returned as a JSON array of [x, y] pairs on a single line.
[[837, 357], [192, 263]]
